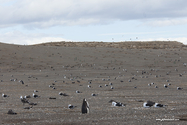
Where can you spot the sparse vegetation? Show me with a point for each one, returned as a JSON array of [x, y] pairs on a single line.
[[124, 45]]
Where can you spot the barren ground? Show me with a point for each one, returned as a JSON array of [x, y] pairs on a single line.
[[41, 65]]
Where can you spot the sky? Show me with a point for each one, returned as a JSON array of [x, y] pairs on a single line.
[[28, 22]]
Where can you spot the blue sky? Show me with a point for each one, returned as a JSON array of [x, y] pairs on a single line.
[[38, 21]]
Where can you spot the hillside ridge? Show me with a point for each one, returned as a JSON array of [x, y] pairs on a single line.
[[124, 45]]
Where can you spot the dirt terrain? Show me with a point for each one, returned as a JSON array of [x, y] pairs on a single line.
[[71, 66]]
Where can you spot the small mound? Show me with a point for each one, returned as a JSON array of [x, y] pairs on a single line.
[[124, 45]]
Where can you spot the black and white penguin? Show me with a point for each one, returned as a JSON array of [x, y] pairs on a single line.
[[23, 100], [114, 103], [148, 104], [35, 96], [157, 105], [85, 107], [70, 106], [3, 95]]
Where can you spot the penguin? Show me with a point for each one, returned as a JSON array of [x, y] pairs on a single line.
[[179, 88], [70, 106], [24, 100], [148, 104], [35, 96], [85, 106], [159, 105], [3, 95], [64, 94], [11, 112], [114, 103]]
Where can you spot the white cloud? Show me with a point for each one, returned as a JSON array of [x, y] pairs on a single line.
[[165, 22], [17, 37], [133, 33], [53, 22], [47, 13]]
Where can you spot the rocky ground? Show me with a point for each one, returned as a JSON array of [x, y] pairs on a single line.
[[68, 69]]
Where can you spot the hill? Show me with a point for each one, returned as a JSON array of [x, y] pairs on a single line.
[[124, 45]]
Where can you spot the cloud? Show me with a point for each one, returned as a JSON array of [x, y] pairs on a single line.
[[133, 33], [165, 22], [17, 37], [48, 13]]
